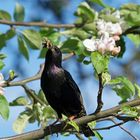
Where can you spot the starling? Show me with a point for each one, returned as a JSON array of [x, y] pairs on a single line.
[[61, 91]]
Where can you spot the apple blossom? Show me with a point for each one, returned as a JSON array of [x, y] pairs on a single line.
[[2, 82], [90, 44]]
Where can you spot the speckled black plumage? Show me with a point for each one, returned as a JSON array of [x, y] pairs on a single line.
[[60, 89]]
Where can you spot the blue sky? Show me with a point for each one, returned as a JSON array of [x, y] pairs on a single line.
[[88, 88]]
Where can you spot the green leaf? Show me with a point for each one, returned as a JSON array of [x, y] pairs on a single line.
[[109, 18], [23, 48], [4, 15], [123, 87], [2, 56], [73, 123], [11, 74], [51, 34], [1, 65], [106, 77], [19, 12], [4, 107], [99, 2], [135, 39], [100, 62], [49, 113], [85, 12], [43, 52], [92, 124], [10, 34], [20, 101], [33, 38], [41, 96], [137, 88], [81, 34], [70, 45], [20, 123], [98, 135], [130, 111], [2, 40]]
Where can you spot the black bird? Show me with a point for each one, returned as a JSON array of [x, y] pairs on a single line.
[[60, 89]]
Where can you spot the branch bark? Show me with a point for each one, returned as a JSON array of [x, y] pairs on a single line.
[[38, 24], [99, 97], [58, 128]]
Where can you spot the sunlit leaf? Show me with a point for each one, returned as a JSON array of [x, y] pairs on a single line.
[[19, 12], [20, 123], [52, 35], [99, 2], [70, 45], [100, 62], [41, 96], [23, 48], [130, 111], [106, 77], [137, 87], [1, 65], [98, 135], [4, 15], [123, 87], [92, 124], [10, 34], [73, 123], [33, 38], [4, 107], [11, 74], [20, 101], [85, 12]]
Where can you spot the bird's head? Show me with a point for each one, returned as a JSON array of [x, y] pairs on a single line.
[[53, 54]]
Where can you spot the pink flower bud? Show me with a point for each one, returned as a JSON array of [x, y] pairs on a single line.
[[116, 50]]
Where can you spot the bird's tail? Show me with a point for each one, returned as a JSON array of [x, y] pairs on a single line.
[[87, 130]]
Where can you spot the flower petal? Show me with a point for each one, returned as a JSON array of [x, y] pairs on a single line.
[[1, 77], [1, 91], [90, 45]]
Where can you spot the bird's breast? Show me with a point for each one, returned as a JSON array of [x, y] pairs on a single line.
[[53, 78]]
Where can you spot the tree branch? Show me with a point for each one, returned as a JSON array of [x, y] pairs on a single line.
[[124, 129], [39, 24], [83, 120], [99, 97]]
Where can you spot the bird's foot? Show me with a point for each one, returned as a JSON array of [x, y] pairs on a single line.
[[58, 120], [72, 117]]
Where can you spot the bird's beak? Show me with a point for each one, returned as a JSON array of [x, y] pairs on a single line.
[[46, 43]]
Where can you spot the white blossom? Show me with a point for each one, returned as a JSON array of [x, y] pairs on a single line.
[[104, 45], [109, 27], [2, 82], [90, 44]]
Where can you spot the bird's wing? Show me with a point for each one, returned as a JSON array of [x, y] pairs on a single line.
[[74, 89], [71, 82]]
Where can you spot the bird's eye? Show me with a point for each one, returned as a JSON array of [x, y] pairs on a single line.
[[56, 49]]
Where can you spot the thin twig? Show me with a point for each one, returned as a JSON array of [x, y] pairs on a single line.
[[109, 127], [127, 131], [99, 97], [39, 24], [32, 94]]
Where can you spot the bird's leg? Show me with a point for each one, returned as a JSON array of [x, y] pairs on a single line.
[[72, 117], [57, 120]]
